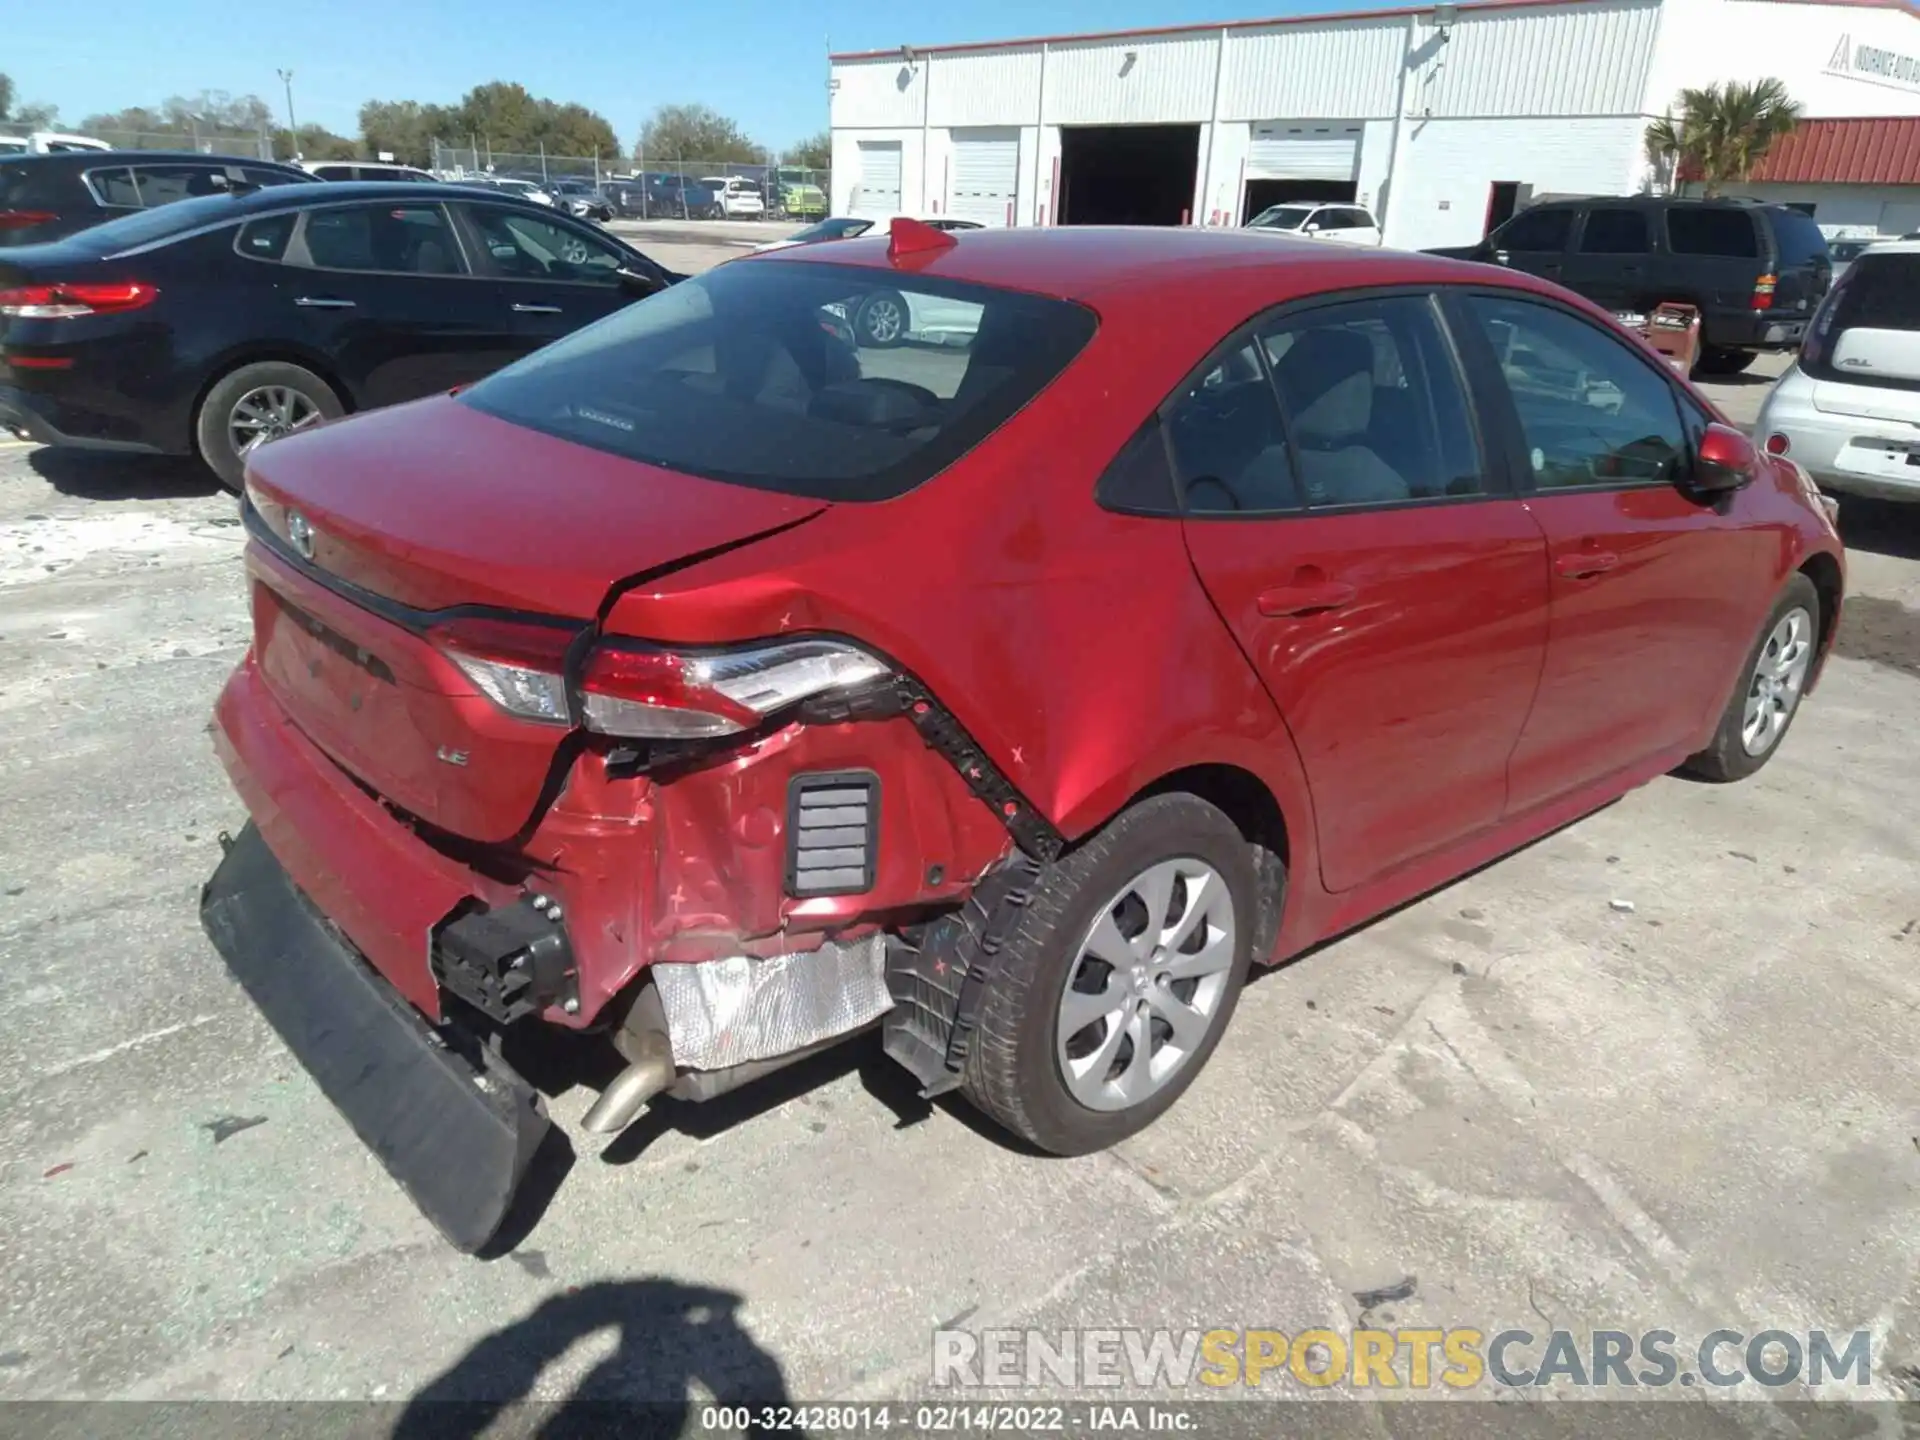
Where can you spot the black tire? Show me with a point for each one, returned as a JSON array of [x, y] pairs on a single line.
[[1727, 757], [1012, 1070], [1713, 360], [211, 423], [881, 321]]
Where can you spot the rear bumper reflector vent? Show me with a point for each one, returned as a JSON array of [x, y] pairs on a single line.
[[833, 832]]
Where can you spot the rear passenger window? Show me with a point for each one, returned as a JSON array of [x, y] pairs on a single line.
[[1591, 412], [266, 239], [1374, 404], [1703, 230], [1614, 232], [1228, 448], [164, 184], [114, 187]]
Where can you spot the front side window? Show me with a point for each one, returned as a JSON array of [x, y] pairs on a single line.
[[1228, 445], [1712, 230], [751, 374], [1374, 403], [1615, 232], [404, 239], [526, 247], [1537, 230], [1592, 413]]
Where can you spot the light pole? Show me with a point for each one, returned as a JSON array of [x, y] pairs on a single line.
[[293, 130]]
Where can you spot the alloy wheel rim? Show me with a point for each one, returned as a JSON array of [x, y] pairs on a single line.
[[266, 413], [1147, 986], [1779, 675], [883, 321]]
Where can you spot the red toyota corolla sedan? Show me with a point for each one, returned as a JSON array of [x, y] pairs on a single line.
[[718, 688]]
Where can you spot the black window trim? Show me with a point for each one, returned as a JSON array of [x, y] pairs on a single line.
[[300, 258], [465, 205], [1496, 466], [1505, 415]]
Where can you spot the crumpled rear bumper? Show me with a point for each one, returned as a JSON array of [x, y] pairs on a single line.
[[458, 1131]]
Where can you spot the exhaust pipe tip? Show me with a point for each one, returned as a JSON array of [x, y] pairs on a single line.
[[621, 1102]]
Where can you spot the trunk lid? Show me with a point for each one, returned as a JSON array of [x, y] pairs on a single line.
[[431, 506]]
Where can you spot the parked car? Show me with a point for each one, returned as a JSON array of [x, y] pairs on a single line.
[[852, 227], [1755, 271], [1848, 410], [883, 317], [47, 197], [580, 199], [799, 199], [213, 325], [1843, 252], [657, 195], [49, 142], [363, 170], [1338, 224], [718, 773], [507, 185], [739, 197]]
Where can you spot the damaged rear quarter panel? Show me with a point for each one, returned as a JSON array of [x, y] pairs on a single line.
[[690, 865]]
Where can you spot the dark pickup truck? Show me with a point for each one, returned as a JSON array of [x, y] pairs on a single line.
[[1756, 272]]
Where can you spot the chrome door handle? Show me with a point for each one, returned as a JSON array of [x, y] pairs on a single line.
[[536, 309], [323, 302]]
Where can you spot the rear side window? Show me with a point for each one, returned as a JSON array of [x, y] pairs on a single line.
[[1538, 230], [1229, 445], [1799, 240], [256, 176], [832, 382], [1615, 232], [333, 172], [1709, 230], [165, 184], [114, 187], [266, 239]]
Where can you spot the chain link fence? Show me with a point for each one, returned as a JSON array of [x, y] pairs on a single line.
[[657, 187], [210, 140]]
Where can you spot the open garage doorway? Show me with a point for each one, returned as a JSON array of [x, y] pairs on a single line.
[[1263, 193], [1128, 174]]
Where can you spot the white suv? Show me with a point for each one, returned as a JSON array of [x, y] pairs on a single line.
[[738, 196], [1849, 409], [1339, 224]]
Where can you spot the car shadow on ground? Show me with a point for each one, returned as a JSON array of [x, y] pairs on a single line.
[[1880, 527], [97, 475], [668, 1335]]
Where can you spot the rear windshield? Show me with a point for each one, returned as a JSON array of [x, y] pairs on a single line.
[[146, 226], [30, 185], [832, 382], [1877, 292], [1799, 239]]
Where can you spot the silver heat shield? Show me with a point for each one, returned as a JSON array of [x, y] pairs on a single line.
[[728, 1012]]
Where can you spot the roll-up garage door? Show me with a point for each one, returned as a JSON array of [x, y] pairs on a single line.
[[1304, 152], [985, 176], [877, 192]]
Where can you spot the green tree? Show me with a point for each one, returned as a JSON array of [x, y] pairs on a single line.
[[213, 117], [1722, 131], [813, 153], [694, 132], [314, 142], [407, 129], [498, 118], [25, 117]]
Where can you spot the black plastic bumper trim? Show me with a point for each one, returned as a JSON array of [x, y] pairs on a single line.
[[457, 1131]]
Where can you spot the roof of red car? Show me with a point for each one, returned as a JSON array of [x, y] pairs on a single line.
[[1077, 262]]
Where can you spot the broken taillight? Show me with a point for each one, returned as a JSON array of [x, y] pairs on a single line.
[[647, 692], [67, 302]]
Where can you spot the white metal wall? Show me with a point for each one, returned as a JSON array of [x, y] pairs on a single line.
[[1703, 41], [1586, 59], [1149, 80], [1331, 70]]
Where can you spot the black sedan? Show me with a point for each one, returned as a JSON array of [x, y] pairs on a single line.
[[212, 325], [48, 197]]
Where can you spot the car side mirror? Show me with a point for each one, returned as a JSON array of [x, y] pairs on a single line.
[[1311, 229], [1724, 461], [638, 283]]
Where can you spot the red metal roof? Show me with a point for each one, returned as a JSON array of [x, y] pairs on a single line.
[[1846, 152], [1321, 18]]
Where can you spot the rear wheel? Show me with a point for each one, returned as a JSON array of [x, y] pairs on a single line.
[[1767, 698], [882, 319], [1120, 979], [255, 404], [1714, 360]]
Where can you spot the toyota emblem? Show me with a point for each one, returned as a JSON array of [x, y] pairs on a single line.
[[300, 533]]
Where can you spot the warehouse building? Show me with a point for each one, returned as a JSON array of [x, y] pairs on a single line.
[[1441, 120]]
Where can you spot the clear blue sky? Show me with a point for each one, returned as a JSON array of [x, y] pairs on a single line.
[[761, 61]]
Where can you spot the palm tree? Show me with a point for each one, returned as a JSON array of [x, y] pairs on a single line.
[[1723, 131]]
